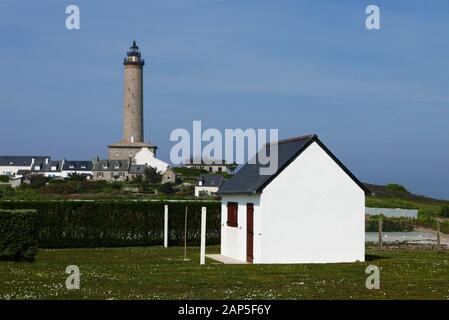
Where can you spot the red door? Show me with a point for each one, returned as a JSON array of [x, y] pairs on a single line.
[[249, 232]]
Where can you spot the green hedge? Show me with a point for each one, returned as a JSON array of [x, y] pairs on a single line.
[[430, 222], [18, 234], [72, 224], [392, 203], [390, 224]]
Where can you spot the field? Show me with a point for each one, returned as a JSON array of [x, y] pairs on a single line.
[[159, 273]]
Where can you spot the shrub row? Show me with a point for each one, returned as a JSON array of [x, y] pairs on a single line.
[[390, 224], [71, 224], [18, 234], [392, 203], [430, 222]]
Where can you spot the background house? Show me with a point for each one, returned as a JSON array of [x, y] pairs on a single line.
[[47, 168], [110, 170], [135, 170], [208, 184], [311, 210], [170, 176], [76, 167], [211, 166], [10, 165]]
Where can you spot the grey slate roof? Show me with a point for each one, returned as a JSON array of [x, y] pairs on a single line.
[[137, 169], [76, 165], [111, 165], [211, 180], [47, 167], [249, 180], [20, 160]]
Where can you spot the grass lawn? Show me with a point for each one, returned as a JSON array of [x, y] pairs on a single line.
[[159, 273]]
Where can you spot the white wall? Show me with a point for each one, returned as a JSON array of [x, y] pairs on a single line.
[[389, 212], [209, 190], [233, 239], [12, 170], [66, 173], [51, 174], [146, 157], [313, 212]]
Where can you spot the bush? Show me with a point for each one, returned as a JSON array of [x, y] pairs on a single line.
[[18, 234], [37, 181], [74, 176], [166, 188], [71, 224], [4, 178], [397, 187], [6, 191], [189, 171], [444, 211], [431, 223], [390, 224], [116, 185], [185, 191], [389, 203]]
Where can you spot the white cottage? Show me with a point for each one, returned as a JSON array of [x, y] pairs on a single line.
[[311, 210]]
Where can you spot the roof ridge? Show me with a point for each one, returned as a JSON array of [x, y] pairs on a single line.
[[293, 139], [300, 138]]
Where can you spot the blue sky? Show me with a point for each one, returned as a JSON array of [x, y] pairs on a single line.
[[379, 99]]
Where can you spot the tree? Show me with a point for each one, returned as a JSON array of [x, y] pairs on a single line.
[[152, 176], [397, 187], [138, 179]]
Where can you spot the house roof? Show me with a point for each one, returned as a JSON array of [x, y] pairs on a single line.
[[77, 165], [210, 180], [43, 166], [170, 171], [137, 169], [249, 180], [111, 165], [20, 160]]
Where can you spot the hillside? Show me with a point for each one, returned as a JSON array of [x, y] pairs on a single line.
[[391, 196]]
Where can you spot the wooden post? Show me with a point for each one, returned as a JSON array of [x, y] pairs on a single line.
[[203, 236], [166, 226], [438, 235], [380, 233], [185, 235]]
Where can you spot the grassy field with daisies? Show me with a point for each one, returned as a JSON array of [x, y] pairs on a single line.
[[159, 273]]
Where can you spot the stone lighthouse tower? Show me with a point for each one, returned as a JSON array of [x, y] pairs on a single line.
[[133, 137], [133, 101]]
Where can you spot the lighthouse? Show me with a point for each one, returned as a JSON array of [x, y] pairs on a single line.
[[133, 96], [133, 134]]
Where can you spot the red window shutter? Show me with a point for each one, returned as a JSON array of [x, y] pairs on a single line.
[[232, 214]]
